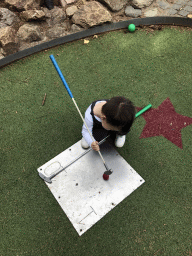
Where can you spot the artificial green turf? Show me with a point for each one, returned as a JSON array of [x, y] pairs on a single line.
[[145, 67]]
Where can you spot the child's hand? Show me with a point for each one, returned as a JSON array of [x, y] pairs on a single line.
[[95, 146]]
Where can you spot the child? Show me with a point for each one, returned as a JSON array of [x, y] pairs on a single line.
[[107, 117]]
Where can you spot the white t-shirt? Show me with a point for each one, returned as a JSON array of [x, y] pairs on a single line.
[[89, 122]]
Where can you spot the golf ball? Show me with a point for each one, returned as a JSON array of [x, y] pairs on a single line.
[[131, 27]]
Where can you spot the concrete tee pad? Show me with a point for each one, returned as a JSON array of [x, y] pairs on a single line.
[[80, 189]]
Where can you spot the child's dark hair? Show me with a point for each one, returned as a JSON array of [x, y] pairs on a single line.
[[119, 112]]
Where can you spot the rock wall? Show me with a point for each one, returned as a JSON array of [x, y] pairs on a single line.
[[26, 23]]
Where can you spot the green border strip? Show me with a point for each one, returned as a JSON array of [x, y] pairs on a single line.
[[161, 20]]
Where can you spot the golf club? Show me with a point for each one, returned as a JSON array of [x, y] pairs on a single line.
[[71, 95]]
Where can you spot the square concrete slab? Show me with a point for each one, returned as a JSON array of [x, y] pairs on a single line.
[[80, 189]]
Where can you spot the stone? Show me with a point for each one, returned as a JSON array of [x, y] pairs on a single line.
[[71, 10], [183, 13], [54, 16], [170, 12], [163, 5], [188, 8], [75, 29], [56, 31], [91, 14], [1, 54], [29, 33], [114, 5], [7, 18], [25, 45], [47, 12], [181, 2], [16, 5], [141, 3], [131, 12], [151, 12], [63, 3], [32, 5], [70, 1], [33, 15], [176, 7], [8, 40], [189, 16]]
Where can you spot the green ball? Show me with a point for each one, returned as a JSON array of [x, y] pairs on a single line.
[[131, 27]]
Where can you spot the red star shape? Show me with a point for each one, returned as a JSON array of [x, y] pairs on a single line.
[[164, 121]]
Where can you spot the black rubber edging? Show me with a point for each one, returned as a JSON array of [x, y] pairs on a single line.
[[160, 20]]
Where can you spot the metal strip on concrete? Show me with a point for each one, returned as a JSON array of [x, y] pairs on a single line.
[[81, 191]]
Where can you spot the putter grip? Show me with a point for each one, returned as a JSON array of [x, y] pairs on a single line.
[[61, 75], [143, 110]]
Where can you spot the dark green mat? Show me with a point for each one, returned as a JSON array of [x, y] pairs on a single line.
[[147, 68]]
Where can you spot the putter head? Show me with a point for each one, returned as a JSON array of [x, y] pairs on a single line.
[[109, 172], [47, 179]]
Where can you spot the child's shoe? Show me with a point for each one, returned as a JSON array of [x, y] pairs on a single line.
[[120, 141], [84, 144]]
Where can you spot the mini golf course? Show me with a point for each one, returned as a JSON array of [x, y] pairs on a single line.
[[146, 67]]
